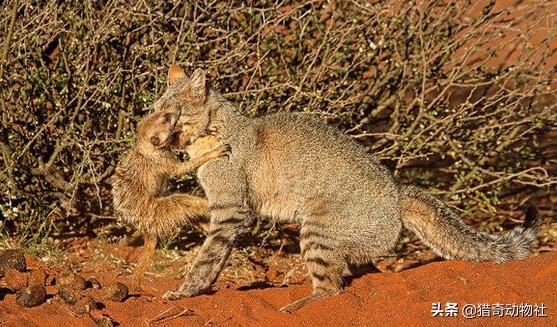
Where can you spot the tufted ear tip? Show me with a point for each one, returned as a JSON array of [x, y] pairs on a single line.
[[175, 73]]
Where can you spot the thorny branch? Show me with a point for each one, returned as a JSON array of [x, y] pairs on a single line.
[[454, 97]]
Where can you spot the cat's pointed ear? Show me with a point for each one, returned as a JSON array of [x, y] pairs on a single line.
[[195, 89], [175, 73]]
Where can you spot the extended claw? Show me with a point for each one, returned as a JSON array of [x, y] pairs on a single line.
[[225, 149]]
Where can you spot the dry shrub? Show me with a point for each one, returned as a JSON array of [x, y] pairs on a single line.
[[452, 96]]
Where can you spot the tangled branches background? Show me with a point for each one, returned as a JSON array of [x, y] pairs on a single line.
[[453, 96]]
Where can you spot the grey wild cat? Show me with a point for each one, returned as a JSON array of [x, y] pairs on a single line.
[[141, 176], [297, 169]]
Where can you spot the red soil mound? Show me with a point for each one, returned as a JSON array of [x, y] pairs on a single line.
[[401, 299]]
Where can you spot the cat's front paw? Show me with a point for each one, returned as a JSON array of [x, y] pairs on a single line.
[[183, 291], [173, 295]]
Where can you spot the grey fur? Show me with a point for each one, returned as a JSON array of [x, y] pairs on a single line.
[[450, 238], [294, 168]]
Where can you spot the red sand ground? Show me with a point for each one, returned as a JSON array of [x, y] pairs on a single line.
[[401, 299]]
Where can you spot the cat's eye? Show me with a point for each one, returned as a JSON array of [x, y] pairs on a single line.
[[155, 140]]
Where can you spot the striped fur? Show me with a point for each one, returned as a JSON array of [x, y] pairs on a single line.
[[444, 232], [294, 168]]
